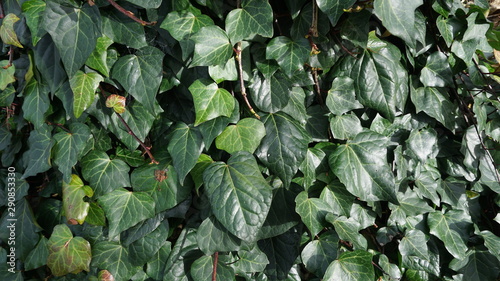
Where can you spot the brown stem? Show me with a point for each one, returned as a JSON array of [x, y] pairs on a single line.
[[130, 14], [313, 30], [216, 260], [59, 125], [11, 57], [316, 84], [130, 132], [242, 83]]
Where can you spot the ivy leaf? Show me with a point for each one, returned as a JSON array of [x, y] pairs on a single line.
[[423, 144], [345, 126], [339, 200], [7, 33], [318, 254], [125, 209], [33, 10], [183, 24], [75, 208], [67, 254], [38, 257], [437, 71], [185, 147], [414, 243], [334, 9], [203, 267], [239, 195], [117, 103], [140, 74], [104, 174], [244, 136], [284, 147], [362, 167], [84, 86], [399, 17], [148, 4], [98, 59], [213, 237], [122, 29], [314, 157], [348, 230], [36, 103], [210, 101], [435, 103], [113, 257], [290, 55], [270, 94], [74, 32], [451, 228], [312, 211], [251, 260], [6, 74], [138, 118], [38, 155], [477, 266], [212, 46], [351, 266], [341, 97], [254, 17]]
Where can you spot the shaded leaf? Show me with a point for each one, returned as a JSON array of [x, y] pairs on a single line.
[[290, 55], [348, 230], [38, 257], [318, 254], [435, 103], [312, 211], [451, 228], [69, 146], [281, 251], [113, 257], [38, 155], [437, 71], [334, 9], [270, 94], [213, 237], [36, 103]]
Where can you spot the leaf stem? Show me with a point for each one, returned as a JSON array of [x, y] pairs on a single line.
[[313, 30], [242, 83], [130, 132], [216, 260], [130, 14]]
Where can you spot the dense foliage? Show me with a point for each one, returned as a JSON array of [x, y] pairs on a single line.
[[250, 140]]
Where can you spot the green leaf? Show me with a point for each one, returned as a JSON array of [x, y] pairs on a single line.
[[69, 146], [112, 256], [251, 260], [334, 9], [270, 94], [244, 136], [125, 209], [6, 74], [290, 55], [38, 257], [212, 46], [339, 200], [203, 268], [103, 174], [117, 103], [140, 121], [423, 143], [491, 241], [213, 237], [226, 72], [95, 215], [133, 158], [148, 4], [254, 17], [318, 254], [122, 29], [74, 31], [437, 71], [341, 97], [474, 38], [398, 17], [38, 155], [348, 230], [281, 251], [435, 103], [351, 266], [428, 180], [451, 228], [296, 105], [67, 254], [36, 103], [312, 211], [144, 249], [284, 147], [157, 264], [346, 126], [33, 10], [185, 147], [210, 101], [239, 195], [282, 216], [7, 32], [477, 266], [414, 243], [183, 24], [362, 167], [314, 157], [140, 74], [98, 58], [75, 208]]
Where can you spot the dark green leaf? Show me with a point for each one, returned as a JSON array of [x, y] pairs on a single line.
[[212, 46], [312, 211], [281, 251], [271, 94], [103, 174], [290, 55], [477, 266], [314, 157], [244, 136], [67, 254], [185, 147], [339, 200], [210, 101], [121, 29], [98, 59], [112, 256], [346, 126], [254, 17], [69, 146], [38, 156], [36, 103], [144, 249], [213, 237], [146, 3], [239, 195], [437, 71], [183, 24], [451, 228], [414, 243], [251, 260], [435, 103], [423, 144], [138, 118], [38, 257], [348, 230], [33, 10], [341, 97], [334, 9], [318, 254], [133, 158], [203, 268], [351, 266]]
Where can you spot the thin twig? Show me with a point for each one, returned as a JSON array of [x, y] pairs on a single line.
[[242, 83], [216, 261], [314, 71], [11, 57], [59, 125], [130, 132], [313, 30], [130, 14]]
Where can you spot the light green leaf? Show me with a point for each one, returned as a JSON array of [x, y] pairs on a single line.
[[113, 257], [437, 71], [244, 136], [346, 126], [7, 32], [348, 230], [36, 103], [74, 31], [414, 243], [225, 72], [435, 103], [185, 147], [125, 209], [213, 237], [341, 97], [6, 74], [312, 211], [362, 167], [117, 103], [140, 74], [351, 266], [254, 17], [84, 86], [423, 144], [451, 228], [33, 10], [290, 55], [284, 147], [37, 158], [98, 59], [67, 254], [148, 4], [239, 195], [251, 260], [398, 16], [334, 9], [75, 208], [103, 174], [183, 24], [210, 101], [212, 46], [318, 254]]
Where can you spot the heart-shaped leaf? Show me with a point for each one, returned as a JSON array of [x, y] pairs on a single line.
[[254, 17], [67, 254], [75, 208], [351, 266], [244, 136], [104, 174], [210, 101]]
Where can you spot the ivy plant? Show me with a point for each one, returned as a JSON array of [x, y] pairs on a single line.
[[250, 140]]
